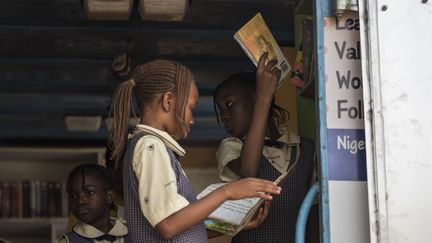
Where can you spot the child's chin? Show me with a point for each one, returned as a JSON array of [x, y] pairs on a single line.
[[183, 137], [84, 219], [185, 134]]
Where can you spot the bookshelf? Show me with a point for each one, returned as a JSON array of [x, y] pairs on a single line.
[[304, 12], [306, 95], [39, 164]]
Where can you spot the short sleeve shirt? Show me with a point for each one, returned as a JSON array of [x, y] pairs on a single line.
[[156, 178]]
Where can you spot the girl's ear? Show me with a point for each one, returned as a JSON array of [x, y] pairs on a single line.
[[168, 100], [110, 196]]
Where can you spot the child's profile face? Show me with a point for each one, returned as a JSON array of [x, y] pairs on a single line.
[[235, 107], [89, 199], [182, 132]]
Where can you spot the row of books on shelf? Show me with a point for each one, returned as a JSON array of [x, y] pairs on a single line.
[[33, 199]]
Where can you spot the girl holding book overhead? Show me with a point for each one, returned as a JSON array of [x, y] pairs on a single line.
[[159, 202], [260, 148]]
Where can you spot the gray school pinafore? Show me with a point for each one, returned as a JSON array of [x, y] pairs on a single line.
[[140, 230], [279, 226]]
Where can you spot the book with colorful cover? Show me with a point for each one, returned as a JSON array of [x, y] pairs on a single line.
[[255, 38], [233, 215]]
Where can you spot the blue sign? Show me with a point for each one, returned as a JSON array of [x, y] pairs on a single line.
[[347, 155]]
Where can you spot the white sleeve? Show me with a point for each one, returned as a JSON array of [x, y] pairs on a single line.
[[228, 150], [157, 181]]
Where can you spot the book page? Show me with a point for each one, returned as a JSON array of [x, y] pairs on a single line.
[[231, 211], [232, 214], [234, 211]]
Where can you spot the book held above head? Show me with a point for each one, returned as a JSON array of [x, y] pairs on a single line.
[[255, 39]]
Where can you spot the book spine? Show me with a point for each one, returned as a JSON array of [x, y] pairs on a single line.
[[33, 199], [1, 199], [26, 199], [37, 198], [13, 195], [58, 199], [5, 200], [20, 199], [44, 199], [51, 205], [64, 200]]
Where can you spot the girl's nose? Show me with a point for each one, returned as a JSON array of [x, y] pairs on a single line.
[[82, 198], [224, 117]]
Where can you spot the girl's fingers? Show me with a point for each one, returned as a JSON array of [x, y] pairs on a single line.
[[276, 72], [263, 188], [265, 209], [270, 186], [261, 216], [264, 196], [270, 189], [262, 59], [270, 64], [258, 218]]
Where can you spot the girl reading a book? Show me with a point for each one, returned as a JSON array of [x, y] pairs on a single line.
[[159, 202], [260, 148], [91, 196]]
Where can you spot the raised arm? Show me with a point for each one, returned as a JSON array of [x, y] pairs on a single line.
[[267, 76]]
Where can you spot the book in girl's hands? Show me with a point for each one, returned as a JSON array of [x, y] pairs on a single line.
[[255, 39], [233, 215]]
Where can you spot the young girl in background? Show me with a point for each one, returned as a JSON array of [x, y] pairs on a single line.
[[90, 190], [259, 148], [159, 201]]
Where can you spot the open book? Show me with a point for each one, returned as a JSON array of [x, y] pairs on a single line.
[[255, 38], [233, 215]]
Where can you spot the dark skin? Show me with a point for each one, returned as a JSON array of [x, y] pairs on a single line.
[[242, 112], [90, 201], [160, 114], [197, 211]]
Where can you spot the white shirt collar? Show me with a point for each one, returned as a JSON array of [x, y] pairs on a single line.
[[119, 229], [289, 137], [165, 137]]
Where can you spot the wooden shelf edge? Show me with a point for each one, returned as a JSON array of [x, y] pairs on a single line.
[[34, 220]]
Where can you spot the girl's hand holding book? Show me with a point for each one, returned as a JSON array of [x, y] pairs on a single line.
[[267, 77], [259, 216], [250, 187]]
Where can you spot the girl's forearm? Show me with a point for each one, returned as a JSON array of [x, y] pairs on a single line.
[[253, 145], [191, 215]]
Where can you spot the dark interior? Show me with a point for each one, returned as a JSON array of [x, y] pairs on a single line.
[[55, 63]]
